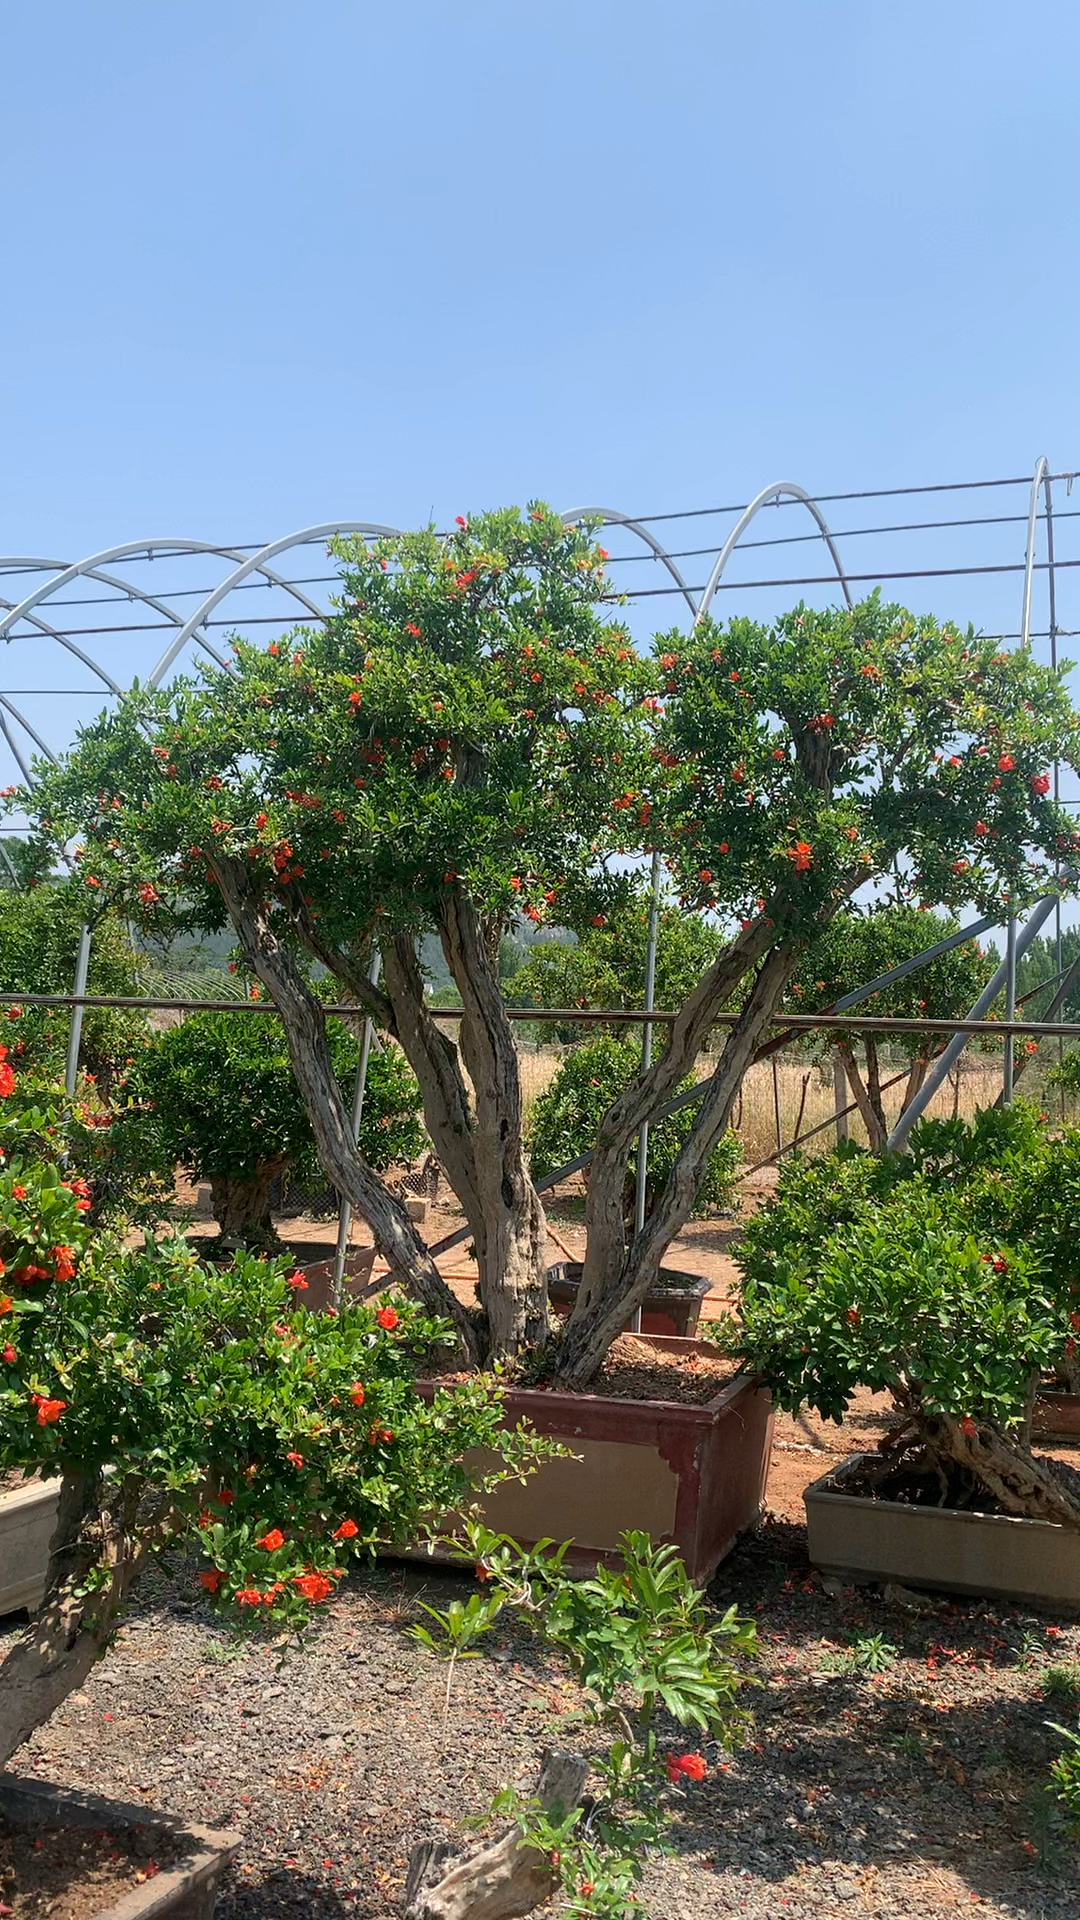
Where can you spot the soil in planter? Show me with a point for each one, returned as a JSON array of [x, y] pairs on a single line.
[[75, 1873], [911, 1486], [635, 1372]]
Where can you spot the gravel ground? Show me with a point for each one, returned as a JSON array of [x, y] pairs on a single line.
[[905, 1796]]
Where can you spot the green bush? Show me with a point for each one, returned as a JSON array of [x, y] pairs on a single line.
[[565, 1122], [39, 943]]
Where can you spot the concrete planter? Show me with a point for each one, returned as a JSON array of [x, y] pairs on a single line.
[[1058, 1413], [186, 1890], [693, 1475], [993, 1555], [27, 1519], [673, 1306]]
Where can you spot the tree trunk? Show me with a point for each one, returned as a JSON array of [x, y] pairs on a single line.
[[242, 1210], [870, 1121], [501, 1879], [69, 1633], [512, 1252], [873, 1090], [614, 1283], [920, 1067], [344, 1166], [1034, 1486]]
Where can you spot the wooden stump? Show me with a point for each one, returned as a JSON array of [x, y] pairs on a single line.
[[503, 1878]]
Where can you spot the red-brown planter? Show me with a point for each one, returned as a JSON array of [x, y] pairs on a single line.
[[691, 1475], [673, 1307], [1058, 1413], [184, 1890]]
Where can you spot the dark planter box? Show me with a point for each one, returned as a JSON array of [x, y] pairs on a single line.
[[692, 1475], [1058, 1413], [186, 1890], [991, 1554], [673, 1306]]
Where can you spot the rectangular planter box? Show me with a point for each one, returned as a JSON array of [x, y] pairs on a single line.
[[994, 1555], [186, 1890], [1058, 1413], [671, 1308], [692, 1475], [27, 1519]]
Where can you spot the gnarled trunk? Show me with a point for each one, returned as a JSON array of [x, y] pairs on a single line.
[[617, 1276], [242, 1209], [873, 1118]]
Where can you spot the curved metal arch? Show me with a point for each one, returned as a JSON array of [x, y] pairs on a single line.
[[55, 634], [91, 568], [9, 706], [257, 562], [779, 487], [613, 519]]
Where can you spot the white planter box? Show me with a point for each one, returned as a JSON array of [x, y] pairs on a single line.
[[992, 1554], [27, 1520]]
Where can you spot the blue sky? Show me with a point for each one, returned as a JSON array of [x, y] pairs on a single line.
[[266, 266]]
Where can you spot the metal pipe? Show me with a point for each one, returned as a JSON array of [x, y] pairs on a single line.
[[1010, 1009], [82, 967], [939, 1072], [345, 1212], [642, 1177]]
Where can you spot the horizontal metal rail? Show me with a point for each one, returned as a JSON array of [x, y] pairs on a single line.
[[797, 1022]]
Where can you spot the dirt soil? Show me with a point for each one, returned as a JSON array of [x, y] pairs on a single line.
[[77, 1873], [912, 1794]]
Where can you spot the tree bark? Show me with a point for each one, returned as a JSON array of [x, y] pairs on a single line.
[[70, 1632], [242, 1209], [611, 1289], [859, 1094], [344, 1166], [512, 1253], [502, 1879], [1034, 1486], [873, 1089]]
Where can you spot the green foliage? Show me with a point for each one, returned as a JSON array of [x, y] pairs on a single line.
[[642, 1642], [566, 1120], [39, 942], [1065, 1779], [280, 1443], [941, 1276], [224, 1101], [1061, 1681], [606, 966], [861, 943], [865, 1653]]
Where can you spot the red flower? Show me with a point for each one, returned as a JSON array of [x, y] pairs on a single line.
[[48, 1411], [272, 1540], [460, 520], [347, 1530], [5, 1298], [226, 1497], [1041, 783], [296, 1279], [19, 1193], [411, 627], [65, 1262], [705, 875], [296, 1459], [967, 1425], [691, 1764], [800, 855], [7, 1080], [356, 1394], [853, 1315], [212, 1579], [981, 828], [355, 699], [1006, 763], [387, 1318], [9, 1354], [313, 1586], [149, 893], [249, 1597]]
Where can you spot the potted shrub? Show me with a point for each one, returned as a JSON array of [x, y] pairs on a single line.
[[469, 739], [221, 1100], [889, 1274], [171, 1405], [566, 1120]]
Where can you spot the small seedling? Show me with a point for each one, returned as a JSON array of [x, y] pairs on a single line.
[[868, 1653], [1030, 1647], [1061, 1682]]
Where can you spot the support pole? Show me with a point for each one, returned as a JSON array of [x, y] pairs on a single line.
[[345, 1214], [82, 967], [940, 1071], [1010, 1010], [646, 1055]]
